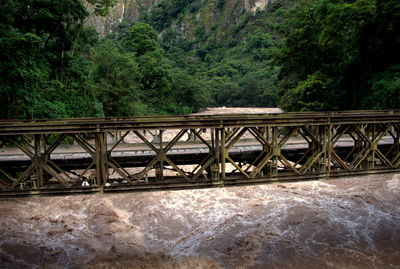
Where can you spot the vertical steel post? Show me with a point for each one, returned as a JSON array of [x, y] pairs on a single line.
[[46, 157], [101, 159], [223, 153], [396, 141], [215, 171], [374, 145], [265, 133], [159, 168], [329, 148], [323, 141], [274, 165], [37, 159]]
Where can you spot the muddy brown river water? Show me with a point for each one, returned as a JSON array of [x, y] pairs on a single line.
[[336, 223]]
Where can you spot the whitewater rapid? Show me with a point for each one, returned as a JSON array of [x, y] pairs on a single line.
[[343, 222]]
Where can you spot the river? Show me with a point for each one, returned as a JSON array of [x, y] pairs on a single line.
[[335, 223]]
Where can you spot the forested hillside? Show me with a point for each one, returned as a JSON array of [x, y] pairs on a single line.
[[176, 56]]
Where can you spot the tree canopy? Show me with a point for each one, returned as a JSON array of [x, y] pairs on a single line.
[[184, 55], [340, 55]]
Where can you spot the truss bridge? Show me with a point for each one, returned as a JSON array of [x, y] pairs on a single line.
[[175, 152]]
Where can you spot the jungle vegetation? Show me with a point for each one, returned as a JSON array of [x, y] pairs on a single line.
[[307, 55]]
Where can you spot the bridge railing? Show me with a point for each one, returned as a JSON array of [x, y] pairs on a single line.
[[194, 151]]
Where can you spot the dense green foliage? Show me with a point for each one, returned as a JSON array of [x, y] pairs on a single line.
[[231, 65], [340, 55], [55, 67], [184, 55], [303, 55], [38, 70]]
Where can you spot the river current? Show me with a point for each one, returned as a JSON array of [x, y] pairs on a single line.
[[336, 223]]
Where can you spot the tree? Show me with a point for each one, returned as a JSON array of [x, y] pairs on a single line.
[[117, 81], [189, 93], [313, 94], [385, 90], [323, 37], [44, 49], [155, 78], [36, 40], [142, 39], [21, 71]]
